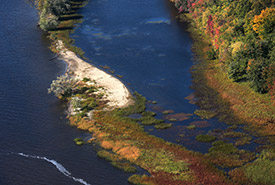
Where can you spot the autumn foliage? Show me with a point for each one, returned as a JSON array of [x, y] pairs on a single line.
[[242, 37]]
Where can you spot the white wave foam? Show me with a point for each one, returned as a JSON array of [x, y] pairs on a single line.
[[59, 166]]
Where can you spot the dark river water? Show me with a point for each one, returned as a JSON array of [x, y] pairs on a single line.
[[139, 39]]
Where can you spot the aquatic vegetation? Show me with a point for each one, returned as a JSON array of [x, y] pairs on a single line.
[[163, 125], [172, 119], [112, 71], [79, 141], [205, 138], [154, 102], [167, 112], [200, 124], [191, 127], [235, 134], [119, 76], [205, 114], [242, 141], [148, 113], [243, 138], [178, 116], [105, 66], [149, 120], [192, 98]]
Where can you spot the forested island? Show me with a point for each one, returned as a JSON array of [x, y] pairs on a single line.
[[234, 81]]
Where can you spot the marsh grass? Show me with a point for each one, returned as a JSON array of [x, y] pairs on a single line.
[[205, 138], [163, 125]]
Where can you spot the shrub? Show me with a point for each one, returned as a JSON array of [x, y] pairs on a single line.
[[257, 76], [237, 67], [48, 21], [62, 86]]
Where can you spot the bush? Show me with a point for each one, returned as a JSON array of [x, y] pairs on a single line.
[[257, 76], [62, 86], [237, 67], [211, 55], [48, 21]]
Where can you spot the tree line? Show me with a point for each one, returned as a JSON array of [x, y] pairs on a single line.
[[242, 37]]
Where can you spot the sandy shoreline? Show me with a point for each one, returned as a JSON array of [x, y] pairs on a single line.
[[117, 93]]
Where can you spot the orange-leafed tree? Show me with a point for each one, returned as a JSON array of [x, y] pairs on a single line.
[[264, 24]]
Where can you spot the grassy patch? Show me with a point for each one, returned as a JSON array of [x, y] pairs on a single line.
[[140, 180], [227, 155], [260, 171], [116, 161]]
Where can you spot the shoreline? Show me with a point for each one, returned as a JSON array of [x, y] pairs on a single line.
[[117, 94]]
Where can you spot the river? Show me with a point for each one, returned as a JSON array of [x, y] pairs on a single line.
[[141, 40]]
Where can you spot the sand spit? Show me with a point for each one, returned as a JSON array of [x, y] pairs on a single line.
[[117, 94]]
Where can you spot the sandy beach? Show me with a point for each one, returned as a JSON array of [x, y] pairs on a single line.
[[116, 92]]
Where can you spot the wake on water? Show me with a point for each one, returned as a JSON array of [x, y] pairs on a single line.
[[59, 166]]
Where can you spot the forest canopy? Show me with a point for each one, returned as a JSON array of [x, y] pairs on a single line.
[[242, 35]]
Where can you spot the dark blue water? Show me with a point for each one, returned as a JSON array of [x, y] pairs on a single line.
[[30, 118]]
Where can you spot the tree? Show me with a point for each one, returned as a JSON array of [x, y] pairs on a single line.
[[264, 23]]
